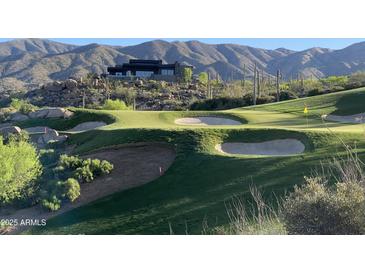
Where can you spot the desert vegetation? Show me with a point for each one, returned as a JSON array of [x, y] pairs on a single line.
[[20, 168], [30, 176], [201, 92], [331, 202]]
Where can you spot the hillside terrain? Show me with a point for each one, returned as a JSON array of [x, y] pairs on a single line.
[[28, 63]]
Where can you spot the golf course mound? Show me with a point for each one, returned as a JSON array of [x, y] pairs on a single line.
[[282, 147], [353, 119], [207, 121], [87, 126]]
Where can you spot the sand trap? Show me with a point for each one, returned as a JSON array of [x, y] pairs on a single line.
[[134, 165], [356, 118], [207, 121], [37, 130], [275, 148], [87, 126]]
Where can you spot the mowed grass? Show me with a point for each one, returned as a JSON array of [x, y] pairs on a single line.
[[201, 181]]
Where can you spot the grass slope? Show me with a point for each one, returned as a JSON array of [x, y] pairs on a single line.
[[201, 181]]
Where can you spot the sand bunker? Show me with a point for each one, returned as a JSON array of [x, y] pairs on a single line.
[[275, 148], [134, 165], [87, 126], [355, 119], [37, 130], [207, 121]]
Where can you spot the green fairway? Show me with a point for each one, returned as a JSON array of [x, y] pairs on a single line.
[[201, 181]]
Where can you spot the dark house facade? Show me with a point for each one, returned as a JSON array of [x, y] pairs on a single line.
[[148, 69]]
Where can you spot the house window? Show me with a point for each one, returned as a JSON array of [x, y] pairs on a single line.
[[144, 74], [118, 74], [167, 71]]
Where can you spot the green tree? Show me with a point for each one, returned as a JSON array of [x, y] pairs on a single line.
[[115, 105], [19, 167], [187, 74], [203, 78]]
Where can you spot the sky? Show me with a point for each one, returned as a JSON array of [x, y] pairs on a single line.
[[266, 43]]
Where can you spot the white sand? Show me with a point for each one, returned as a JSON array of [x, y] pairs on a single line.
[[37, 130], [276, 147], [207, 121], [87, 126], [356, 118]]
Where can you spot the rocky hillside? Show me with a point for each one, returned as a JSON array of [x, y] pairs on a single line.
[[30, 62]]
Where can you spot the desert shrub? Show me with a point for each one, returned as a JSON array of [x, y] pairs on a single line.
[[19, 167], [203, 78], [52, 203], [67, 161], [22, 137], [218, 103], [99, 167], [128, 95], [84, 170], [5, 113], [71, 189], [114, 105], [47, 156], [356, 80], [171, 104], [286, 95], [314, 92], [84, 174], [53, 192], [22, 106], [265, 99], [316, 208], [105, 167]]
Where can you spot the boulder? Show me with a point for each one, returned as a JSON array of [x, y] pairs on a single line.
[[71, 84], [51, 113], [55, 86], [59, 113], [17, 116], [50, 136], [138, 83], [41, 113], [6, 131]]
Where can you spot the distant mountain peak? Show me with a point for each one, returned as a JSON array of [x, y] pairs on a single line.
[[36, 61]]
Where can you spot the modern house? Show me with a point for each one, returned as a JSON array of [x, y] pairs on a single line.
[[148, 69]]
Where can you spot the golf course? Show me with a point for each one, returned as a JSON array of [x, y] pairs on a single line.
[[208, 157]]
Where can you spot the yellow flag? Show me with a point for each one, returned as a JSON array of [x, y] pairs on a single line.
[[305, 110]]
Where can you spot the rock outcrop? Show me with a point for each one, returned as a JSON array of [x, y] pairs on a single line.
[[6, 131], [42, 114], [51, 113], [17, 117], [50, 136]]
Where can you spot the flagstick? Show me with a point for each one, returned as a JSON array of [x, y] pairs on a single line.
[[306, 116]]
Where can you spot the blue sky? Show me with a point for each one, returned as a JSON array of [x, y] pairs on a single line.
[[267, 43]]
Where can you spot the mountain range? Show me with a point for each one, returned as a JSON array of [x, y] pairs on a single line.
[[38, 61]]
